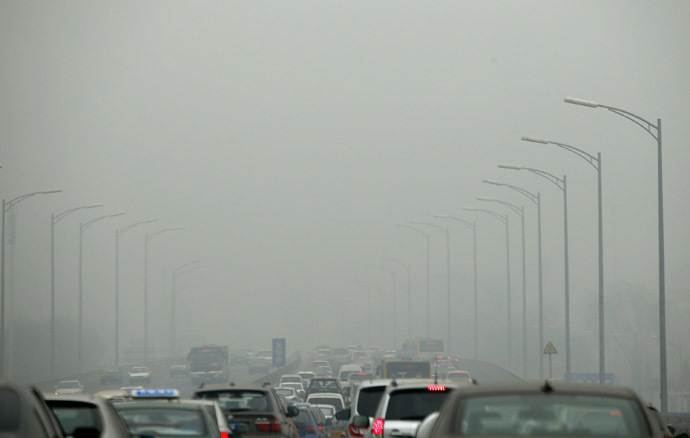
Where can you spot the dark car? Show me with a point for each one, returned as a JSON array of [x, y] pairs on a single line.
[[253, 411], [545, 409], [24, 413], [309, 423], [110, 375], [320, 385]]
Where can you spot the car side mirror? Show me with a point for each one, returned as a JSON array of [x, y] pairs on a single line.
[[343, 415], [360, 421], [292, 411]]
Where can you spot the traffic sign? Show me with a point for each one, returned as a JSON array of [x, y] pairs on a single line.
[[550, 349], [279, 352]]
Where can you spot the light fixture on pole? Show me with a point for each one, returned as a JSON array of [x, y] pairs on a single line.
[[595, 162], [520, 211], [562, 184], [536, 199], [118, 234], [505, 221], [54, 219], [6, 206], [82, 228], [148, 239], [446, 232], [428, 291], [655, 132], [473, 227]]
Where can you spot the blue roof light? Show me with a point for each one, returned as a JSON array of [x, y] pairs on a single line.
[[155, 393]]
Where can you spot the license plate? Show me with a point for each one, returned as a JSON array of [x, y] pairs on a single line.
[[233, 426]]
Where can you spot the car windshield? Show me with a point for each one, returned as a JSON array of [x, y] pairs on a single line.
[[286, 392], [324, 384], [171, 421], [335, 402], [67, 385], [414, 404], [368, 400], [238, 400], [73, 415], [549, 414], [140, 370]]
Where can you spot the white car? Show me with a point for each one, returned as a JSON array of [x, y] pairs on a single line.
[[328, 411], [291, 378], [327, 398], [290, 394], [139, 375], [69, 387]]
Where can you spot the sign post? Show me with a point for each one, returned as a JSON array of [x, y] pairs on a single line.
[[279, 352], [550, 350]]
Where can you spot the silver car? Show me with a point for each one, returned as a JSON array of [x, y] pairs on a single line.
[[87, 412]]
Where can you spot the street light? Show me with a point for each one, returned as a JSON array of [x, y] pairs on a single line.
[[520, 211], [655, 132], [536, 199], [6, 206], [395, 317], [595, 162], [428, 294], [54, 219], [147, 239], [176, 272], [82, 228], [118, 234], [409, 294], [504, 220], [562, 184], [370, 286], [472, 226], [446, 232]]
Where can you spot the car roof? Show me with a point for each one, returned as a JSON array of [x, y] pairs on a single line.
[[159, 405], [233, 387], [325, 394], [551, 387]]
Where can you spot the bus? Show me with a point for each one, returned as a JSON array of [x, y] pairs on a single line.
[[208, 364], [394, 368]]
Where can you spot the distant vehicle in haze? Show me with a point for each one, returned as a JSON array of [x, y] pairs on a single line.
[[405, 369], [110, 375], [327, 398], [139, 375], [69, 387], [178, 367], [458, 376], [209, 364], [321, 385]]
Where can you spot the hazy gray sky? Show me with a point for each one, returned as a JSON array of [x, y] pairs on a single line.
[[289, 138]]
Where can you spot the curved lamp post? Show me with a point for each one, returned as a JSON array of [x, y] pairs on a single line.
[[54, 219], [655, 132], [6, 206], [562, 184], [536, 199], [473, 227], [118, 234]]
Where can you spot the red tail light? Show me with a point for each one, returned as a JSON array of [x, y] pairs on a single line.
[[355, 431], [224, 435], [267, 424], [377, 428], [311, 429], [320, 427]]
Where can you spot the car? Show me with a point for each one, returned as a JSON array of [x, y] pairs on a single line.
[[24, 413], [162, 418], [69, 387], [347, 370], [301, 393], [403, 406], [323, 384], [307, 422], [306, 377], [325, 398], [545, 409], [87, 412], [217, 414], [328, 411], [178, 367], [324, 371], [364, 402], [359, 356], [458, 375], [110, 375], [139, 374], [290, 394], [253, 410], [291, 378]]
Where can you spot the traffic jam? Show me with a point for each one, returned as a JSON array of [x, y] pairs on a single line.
[[348, 392]]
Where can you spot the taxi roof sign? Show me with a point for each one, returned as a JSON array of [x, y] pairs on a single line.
[[550, 349], [155, 393]]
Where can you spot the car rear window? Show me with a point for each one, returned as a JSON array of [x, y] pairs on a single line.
[[335, 402], [552, 415], [72, 415], [414, 404], [237, 400], [164, 421], [324, 384], [368, 400], [9, 410]]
